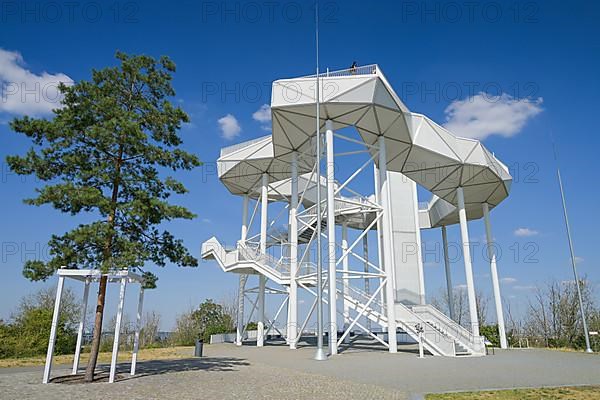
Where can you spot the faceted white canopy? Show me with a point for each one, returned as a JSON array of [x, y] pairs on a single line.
[[415, 146], [240, 167]]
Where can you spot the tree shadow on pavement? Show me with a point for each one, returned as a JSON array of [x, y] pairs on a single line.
[[158, 367]]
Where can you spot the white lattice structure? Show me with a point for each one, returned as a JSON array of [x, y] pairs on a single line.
[[400, 149]]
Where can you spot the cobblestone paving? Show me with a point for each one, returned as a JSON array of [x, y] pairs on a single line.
[[208, 378]]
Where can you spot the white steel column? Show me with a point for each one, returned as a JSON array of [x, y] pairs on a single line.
[[242, 278], [138, 328], [292, 330], [494, 272], [331, 238], [262, 280], [464, 231], [241, 305], [418, 244], [260, 338], [449, 288], [366, 269], [86, 292], [379, 233], [345, 276], [115, 350], [51, 341], [387, 246], [244, 232]]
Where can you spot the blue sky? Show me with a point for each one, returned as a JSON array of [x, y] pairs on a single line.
[[537, 61]]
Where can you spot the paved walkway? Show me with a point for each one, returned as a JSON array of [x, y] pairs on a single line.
[[274, 372], [519, 368], [209, 378]]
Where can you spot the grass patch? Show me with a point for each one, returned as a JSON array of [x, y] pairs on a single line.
[[561, 393], [163, 353]]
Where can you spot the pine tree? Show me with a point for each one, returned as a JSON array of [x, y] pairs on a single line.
[[108, 152]]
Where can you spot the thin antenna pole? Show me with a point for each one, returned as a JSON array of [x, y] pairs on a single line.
[[320, 355], [573, 262]]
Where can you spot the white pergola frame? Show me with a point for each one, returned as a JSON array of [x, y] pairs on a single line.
[[87, 276]]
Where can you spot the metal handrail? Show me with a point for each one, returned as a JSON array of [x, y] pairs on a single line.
[[305, 269], [421, 321], [451, 325], [340, 204], [366, 296], [362, 70], [251, 254]]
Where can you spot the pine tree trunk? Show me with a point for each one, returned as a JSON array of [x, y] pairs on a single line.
[[91, 366]]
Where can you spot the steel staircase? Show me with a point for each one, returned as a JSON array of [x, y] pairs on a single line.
[[441, 335]]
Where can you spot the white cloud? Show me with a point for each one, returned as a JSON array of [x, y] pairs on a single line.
[[230, 127], [517, 287], [525, 232], [24, 92], [484, 115], [460, 287], [579, 260], [508, 280], [263, 114]]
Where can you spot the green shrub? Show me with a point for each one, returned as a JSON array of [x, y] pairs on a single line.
[[209, 319], [26, 334], [491, 333]]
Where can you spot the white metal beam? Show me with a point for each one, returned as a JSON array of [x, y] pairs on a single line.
[[388, 257], [494, 272], [360, 314], [252, 310], [366, 269], [331, 238], [262, 280], [53, 327], [379, 229], [138, 328], [293, 236], [345, 268], [242, 278], [464, 231], [272, 322], [115, 350], [86, 292], [449, 288]]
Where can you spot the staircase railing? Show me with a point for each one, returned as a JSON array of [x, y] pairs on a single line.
[[431, 336], [452, 329], [306, 269], [366, 296], [250, 254]]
